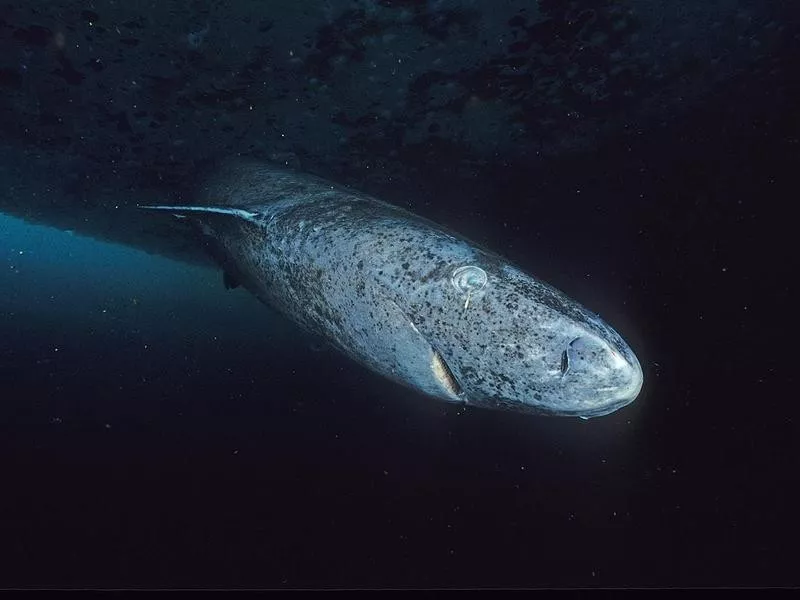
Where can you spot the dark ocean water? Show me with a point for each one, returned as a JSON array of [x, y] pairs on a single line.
[[158, 430]]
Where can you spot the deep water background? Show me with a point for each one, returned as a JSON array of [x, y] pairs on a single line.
[[153, 420], [158, 430]]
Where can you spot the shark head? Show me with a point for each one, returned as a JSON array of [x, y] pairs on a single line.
[[502, 339]]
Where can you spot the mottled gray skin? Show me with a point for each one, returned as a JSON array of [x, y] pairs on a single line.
[[378, 282]]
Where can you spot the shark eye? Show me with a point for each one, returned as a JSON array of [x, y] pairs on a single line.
[[469, 279]]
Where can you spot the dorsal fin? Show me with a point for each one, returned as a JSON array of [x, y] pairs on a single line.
[[184, 211]]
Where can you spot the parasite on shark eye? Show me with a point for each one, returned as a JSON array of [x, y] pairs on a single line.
[[469, 279]]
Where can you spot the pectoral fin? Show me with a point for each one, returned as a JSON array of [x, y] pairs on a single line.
[[415, 359], [231, 283]]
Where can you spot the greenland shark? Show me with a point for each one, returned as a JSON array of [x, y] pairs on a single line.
[[407, 298]]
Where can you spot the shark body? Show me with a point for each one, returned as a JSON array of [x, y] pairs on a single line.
[[409, 299]]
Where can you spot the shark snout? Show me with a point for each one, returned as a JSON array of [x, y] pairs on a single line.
[[608, 377], [630, 379]]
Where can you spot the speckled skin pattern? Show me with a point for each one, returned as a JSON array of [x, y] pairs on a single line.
[[377, 282]]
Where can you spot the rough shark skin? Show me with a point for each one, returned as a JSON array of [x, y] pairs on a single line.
[[409, 299]]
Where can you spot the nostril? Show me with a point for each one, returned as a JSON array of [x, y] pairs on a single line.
[[564, 363]]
